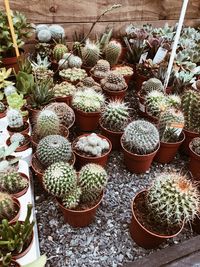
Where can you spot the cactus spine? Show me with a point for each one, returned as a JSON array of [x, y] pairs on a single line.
[[6, 206], [15, 119], [113, 82], [17, 137], [112, 52], [75, 62], [72, 200], [153, 84], [58, 51], [12, 182], [90, 54], [101, 69]]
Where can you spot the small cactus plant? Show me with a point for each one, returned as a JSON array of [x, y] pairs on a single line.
[[155, 103], [7, 206], [115, 116], [174, 101], [12, 182], [92, 144], [88, 100], [58, 51], [113, 82], [64, 89], [9, 90], [90, 54], [141, 137], [44, 36], [173, 199], [73, 74], [112, 52], [63, 64], [88, 82], [75, 62], [15, 119], [101, 69], [2, 107], [53, 148], [72, 200], [18, 137], [59, 179], [57, 32], [153, 84]]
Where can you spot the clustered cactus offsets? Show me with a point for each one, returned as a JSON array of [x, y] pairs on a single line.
[[73, 74], [64, 89], [7, 206], [124, 70], [195, 145], [89, 82], [12, 182], [113, 82]]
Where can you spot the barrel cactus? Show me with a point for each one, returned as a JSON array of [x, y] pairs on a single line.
[[75, 62], [115, 116], [59, 179], [72, 200], [18, 137], [191, 110], [73, 74], [153, 84], [64, 89], [156, 103], [44, 36], [171, 123], [7, 206], [53, 148], [58, 51], [63, 64], [174, 101], [15, 119], [90, 54], [113, 82], [173, 199], [141, 137], [2, 107], [57, 32], [112, 52], [101, 69], [47, 123], [12, 182]]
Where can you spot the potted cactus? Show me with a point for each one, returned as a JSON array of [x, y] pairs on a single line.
[[89, 82], [2, 110], [140, 143], [90, 54], [23, 139], [160, 212], [9, 207], [63, 92], [112, 52], [114, 86], [73, 75], [78, 195], [125, 71], [100, 70], [190, 106], [114, 118], [91, 148], [16, 124], [17, 237], [194, 155], [87, 105]]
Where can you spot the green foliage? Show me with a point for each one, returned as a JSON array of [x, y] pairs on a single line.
[[17, 102], [4, 75], [24, 82], [5, 152]]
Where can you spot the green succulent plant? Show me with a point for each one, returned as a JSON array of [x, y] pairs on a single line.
[[4, 75], [7, 206]]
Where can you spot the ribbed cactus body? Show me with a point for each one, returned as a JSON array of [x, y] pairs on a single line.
[[173, 101], [64, 89], [101, 69], [17, 137], [6, 206], [141, 137], [72, 200], [53, 148], [15, 119], [59, 179], [172, 199], [58, 51], [75, 62], [155, 103], [2, 107], [153, 84], [44, 36], [12, 182], [112, 52], [90, 54], [47, 123], [113, 82]]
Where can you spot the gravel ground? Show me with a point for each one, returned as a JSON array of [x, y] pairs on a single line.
[[106, 242]]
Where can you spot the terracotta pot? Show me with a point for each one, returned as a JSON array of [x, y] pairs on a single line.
[[137, 163], [115, 95], [65, 99], [127, 78], [33, 113], [188, 138], [25, 130], [142, 236], [10, 62], [23, 147], [96, 78], [80, 218], [167, 151], [2, 114], [114, 137], [13, 263], [82, 160], [194, 163], [23, 191], [139, 79], [87, 121], [18, 210]]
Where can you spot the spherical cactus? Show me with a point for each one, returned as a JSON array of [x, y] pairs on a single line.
[[63, 64], [9, 90], [64, 89], [171, 123], [57, 32], [173, 199], [12, 182], [59, 179], [58, 51], [67, 56], [191, 110], [41, 27], [75, 62], [17, 137], [2, 107], [195, 145], [72, 200], [53, 148], [90, 54], [153, 84], [115, 116], [156, 103], [44, 36], [15, 119], [101, 69], [7, 206], [112, 52], [141, 137], [113, 82], [174, 101], [47, 123]]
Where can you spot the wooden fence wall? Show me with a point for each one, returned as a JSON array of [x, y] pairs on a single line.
[[79, 14]]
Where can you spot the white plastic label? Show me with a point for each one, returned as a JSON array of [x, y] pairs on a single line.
[[143, 57], [177, 127], [142, 107], [160, 55]]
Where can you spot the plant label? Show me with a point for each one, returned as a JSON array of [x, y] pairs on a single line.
[[143, 57], [177, 127], [160, 55], [142, 107]]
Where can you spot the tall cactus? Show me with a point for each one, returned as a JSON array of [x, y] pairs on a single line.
[[90, 54], [112, 52]]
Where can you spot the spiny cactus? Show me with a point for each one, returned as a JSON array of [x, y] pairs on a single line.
[[2, 107], [41, 27], [63, 64], [155, 103], [88, 100], [58, 51], [9, 90], [72, 200], [17, 137], [113, 82], [15, 119], [44, 36], [173, 101], [73, 74], [75, 62], [141, 137], [171, 123], [7, 207], [191, 110], [115, 116], [47, 123], [64, 89], [153, 84], [59, 179], [124, 70], [112, 52], [12, 182], [88, 82], [53, 148], [90, 54], [195, 145], [173, 199], [92, 144], [57, 32], [101, 69]]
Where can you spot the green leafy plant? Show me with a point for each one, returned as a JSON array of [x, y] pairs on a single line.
[[17, 102], [4, 75]]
